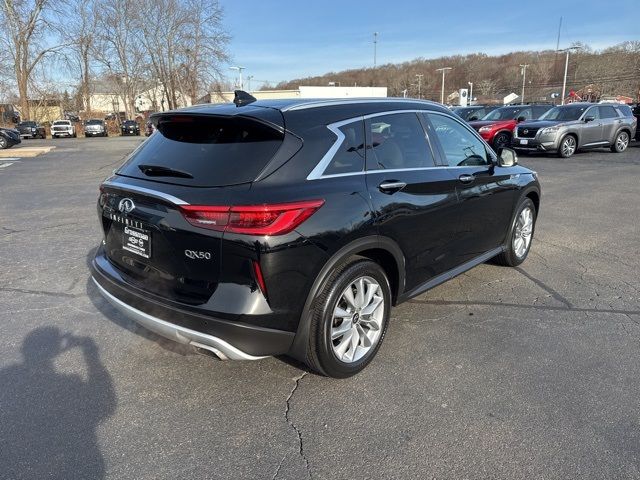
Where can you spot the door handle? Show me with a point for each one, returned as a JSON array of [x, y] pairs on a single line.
[[391, 186], [466, 178]]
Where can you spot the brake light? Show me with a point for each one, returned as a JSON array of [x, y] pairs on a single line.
[[276, 219]]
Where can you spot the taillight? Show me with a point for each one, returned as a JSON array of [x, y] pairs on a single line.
[[276, 219]]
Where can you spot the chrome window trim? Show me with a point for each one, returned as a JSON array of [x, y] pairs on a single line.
[[316, 173], [146, 191], [339, 101]]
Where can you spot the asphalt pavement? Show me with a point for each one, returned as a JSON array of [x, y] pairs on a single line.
[[524, 373]]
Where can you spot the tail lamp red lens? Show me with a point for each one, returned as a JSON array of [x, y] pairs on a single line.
[[275, 219]]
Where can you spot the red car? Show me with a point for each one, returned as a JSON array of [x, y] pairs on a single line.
[[497, 127]]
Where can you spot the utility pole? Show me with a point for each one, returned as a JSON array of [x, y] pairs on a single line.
[[443, 70], [419, 75], [239, 70], [249, 78], [470, 92], [375, 49], [566, 68], [523, 70]]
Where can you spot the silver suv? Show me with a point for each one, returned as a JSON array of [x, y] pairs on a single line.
[[567, 128]]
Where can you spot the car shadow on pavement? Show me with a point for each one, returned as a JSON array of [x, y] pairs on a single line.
[[48, 419]]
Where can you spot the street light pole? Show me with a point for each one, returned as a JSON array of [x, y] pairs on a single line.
[[239, 70], [419, 75], [443, 70], [375, 49], [524, 76], [249, 78], [566, 68], [470, 92]]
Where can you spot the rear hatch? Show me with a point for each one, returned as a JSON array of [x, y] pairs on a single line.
[[193, 159]]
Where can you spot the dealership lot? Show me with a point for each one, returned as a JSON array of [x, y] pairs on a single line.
[[500, 373]]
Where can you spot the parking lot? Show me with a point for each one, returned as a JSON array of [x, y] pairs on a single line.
[[500, 373]]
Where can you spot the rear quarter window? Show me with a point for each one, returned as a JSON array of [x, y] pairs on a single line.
[[212, 150]]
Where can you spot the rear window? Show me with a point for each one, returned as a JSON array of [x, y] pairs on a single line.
[[205, 151]]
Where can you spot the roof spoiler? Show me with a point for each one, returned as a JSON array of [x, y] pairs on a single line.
[[241, 98]]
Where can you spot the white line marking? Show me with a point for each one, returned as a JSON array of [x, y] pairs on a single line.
[[3, 165]]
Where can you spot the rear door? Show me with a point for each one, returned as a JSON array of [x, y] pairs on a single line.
[[191, 160], [414, 199], [610, 122], [486, 193]]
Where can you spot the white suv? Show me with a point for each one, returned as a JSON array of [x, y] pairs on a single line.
[[63, 128]]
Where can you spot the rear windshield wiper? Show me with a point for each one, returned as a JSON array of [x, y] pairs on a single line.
[[160, 171]]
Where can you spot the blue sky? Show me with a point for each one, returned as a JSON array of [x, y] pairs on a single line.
[[283, 39]]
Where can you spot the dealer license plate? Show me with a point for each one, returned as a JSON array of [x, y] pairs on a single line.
[[137, 240], [524, 142]]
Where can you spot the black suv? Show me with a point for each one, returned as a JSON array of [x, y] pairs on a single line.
[[292, 226], [31, 130]]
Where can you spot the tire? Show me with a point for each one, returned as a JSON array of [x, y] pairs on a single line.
[[621, 142], [3, 143], [568, 146], [514, 253], [502, 139], [330, 356]]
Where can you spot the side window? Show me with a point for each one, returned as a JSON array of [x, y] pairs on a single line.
[[526, 113], [397, 141], [592, 112], [461, 147], [539, 111], [350, 156], [608, 112]]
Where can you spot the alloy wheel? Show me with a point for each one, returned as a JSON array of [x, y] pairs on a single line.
[[358, 319], [622, 141], [523, 232], [568, 146]]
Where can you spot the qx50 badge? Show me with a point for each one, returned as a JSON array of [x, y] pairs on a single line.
[[126, 205]]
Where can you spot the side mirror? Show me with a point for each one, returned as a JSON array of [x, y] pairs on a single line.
[[507, 157], [588, 119], [473, 119], [521, 119]]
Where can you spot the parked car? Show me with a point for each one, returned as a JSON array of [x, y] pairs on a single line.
[[497, 126], [636, 113], [63, 128], [9, 137], [95, 128], [130, 127], [568, 128], [292, 226], [473, 113], [31, 130]]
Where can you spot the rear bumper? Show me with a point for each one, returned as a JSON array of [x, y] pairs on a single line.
[[227, 339]]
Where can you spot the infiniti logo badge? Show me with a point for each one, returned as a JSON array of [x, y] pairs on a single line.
[[126, 205]]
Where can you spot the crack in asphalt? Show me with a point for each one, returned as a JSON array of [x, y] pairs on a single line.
[[554, 293], [41, 292], [294, 427], [478, 303]]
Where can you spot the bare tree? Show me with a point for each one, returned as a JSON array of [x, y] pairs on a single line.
[[25, 25], [487, 86], [119, 48], [80, 28]]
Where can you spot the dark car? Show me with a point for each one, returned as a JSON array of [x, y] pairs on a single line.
[[31, 130], [636, 113], [293, 226], [578, 126], [473, 113], [130, 127], [497, 126], [95, 128], [8, 138]]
